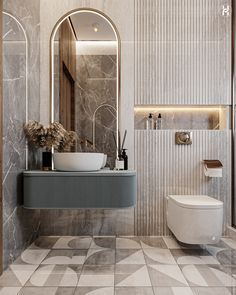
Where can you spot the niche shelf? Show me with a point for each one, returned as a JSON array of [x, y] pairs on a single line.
[[177, 117]]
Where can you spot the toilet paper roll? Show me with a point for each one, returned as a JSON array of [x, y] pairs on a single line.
[[213, 172]]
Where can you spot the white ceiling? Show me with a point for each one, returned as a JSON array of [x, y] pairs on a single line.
[[84, 23]]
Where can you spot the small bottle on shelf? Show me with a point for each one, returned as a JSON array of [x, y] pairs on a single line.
[[159, 122], [150, 122]]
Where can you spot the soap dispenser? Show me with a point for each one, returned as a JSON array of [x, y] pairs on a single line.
[[150, 122]]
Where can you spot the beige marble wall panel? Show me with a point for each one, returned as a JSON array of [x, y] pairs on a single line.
[[182, 53], [165, 168]]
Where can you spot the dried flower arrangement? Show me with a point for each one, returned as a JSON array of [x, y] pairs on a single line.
[[55, 135]]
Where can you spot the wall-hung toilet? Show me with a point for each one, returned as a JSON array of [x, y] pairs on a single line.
[[195, 219]]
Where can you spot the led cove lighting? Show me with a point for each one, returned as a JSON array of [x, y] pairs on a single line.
[[178, 109]]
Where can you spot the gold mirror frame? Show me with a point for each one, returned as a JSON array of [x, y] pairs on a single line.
[[116, 32]]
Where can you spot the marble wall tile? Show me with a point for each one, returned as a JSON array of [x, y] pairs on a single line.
[[96, 85], [87, 222], [18, 232]]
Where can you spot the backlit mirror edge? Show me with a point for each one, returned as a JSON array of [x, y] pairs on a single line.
[[118, 68]]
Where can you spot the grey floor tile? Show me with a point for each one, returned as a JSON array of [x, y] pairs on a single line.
[[227, 257], [38, 291], [65, 257], [73, 243], [17, 275], [94, 291], [104, 242], [134, 291], [132, 276], [9, 290], [32, 256], [166, 276], [98, 269], [100, 257], [128, 243], [158, 256], [211, 291], [156, 242], [44, 243], [173, 291], [193, 256], [55, 275], [130, 256], [208, 276]]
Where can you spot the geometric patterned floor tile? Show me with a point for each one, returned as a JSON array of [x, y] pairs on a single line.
[[134, 290], [128, 243], [79, 243], [211, 291], [32, 256], [9, 290], [207, 276], [193, 256], [55, 275], [166, 276], [103, 242], [130, 256], [172, 243], [44, 243], [97, 276], [128, 265], [152, 242], [158, 256], [173, 291], [65, 257], [100, 257], [17, 275], [132, 276], [94, 291], [46, 291]]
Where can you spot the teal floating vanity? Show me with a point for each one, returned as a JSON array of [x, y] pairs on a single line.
[[72, 190]]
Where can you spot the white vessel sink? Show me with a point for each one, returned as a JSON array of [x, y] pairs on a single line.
[[78, 161]]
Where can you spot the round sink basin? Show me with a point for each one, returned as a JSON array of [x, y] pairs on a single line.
[[78, 161]]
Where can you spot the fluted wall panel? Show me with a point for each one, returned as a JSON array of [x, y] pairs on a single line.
[[182, 53], [165, 168]]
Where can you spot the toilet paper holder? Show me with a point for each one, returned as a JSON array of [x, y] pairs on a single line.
[[213, 168], [211, 164]]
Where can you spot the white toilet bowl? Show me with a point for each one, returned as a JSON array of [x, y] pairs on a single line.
[[195, 219]]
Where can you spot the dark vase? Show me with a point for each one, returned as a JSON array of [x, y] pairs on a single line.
[[47, 161]]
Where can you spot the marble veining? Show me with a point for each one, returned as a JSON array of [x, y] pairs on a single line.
[[17, 51], [95, 99]]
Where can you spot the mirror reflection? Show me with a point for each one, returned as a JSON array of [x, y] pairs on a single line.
[[85, 78]]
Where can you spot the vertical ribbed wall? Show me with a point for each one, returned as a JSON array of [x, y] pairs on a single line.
[[182, 52], [165, 168]]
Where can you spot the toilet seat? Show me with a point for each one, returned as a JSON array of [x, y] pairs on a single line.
[[197, 201]]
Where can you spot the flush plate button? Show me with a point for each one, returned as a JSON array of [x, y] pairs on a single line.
[[183, 138]]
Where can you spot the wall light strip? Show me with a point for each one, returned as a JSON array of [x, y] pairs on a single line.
[[178, 108]]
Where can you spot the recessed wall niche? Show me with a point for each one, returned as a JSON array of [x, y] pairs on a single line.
[[184, 117]]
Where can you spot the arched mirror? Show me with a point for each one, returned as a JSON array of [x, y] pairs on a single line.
[[85, 49]]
